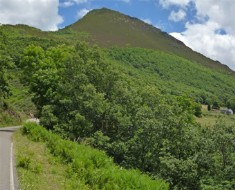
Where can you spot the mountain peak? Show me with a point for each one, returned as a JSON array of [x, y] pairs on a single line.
[[104, 11], [111, 28]]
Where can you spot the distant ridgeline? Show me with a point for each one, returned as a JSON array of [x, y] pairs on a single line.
[[135, 95]]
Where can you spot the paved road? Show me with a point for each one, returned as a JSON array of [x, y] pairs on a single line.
[[7, 167]]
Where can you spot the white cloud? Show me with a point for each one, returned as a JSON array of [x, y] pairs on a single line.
[[147, 20], [177, 16], [205, 38], [66, 4], [221, 12], [81, 13], [168, 3], [69, 3], [42, 14]]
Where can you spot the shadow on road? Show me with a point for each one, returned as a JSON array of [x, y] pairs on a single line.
[[7, 130]]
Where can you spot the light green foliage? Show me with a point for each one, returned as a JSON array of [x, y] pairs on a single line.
[[175, 75], [38, 169], [40, 70], [24, 162], [90, 165]]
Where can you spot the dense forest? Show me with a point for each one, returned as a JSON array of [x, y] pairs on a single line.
[[137, 105]]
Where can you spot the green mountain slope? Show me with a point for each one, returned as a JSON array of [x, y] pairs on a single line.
[[110, 28], [170, 65], [175, 75]]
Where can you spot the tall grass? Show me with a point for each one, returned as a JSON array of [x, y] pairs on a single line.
[[91, 165]]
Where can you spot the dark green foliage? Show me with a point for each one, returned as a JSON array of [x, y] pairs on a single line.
[[198, 110], [231, 104], [84, 96], [90, 165], [209, 107], [216, 157], [216, 105], [5, 62]]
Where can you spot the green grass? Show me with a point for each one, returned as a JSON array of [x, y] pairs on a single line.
[[9, 118], [38, 169], [84, 165], [209, 118]]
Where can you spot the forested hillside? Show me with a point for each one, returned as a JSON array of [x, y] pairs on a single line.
[[138, 105]]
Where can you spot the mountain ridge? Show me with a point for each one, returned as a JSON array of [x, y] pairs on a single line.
[[112, 28], [109, 28]]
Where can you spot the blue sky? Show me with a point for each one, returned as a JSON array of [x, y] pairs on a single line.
[[206, 26]]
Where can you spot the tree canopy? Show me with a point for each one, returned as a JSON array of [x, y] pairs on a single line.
[[84, 96]]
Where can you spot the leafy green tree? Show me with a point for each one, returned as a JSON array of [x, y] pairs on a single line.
[[5, 64], [216, 105], [231, 104], [216, 157], [40, 70], [31, 61], [4, 87]]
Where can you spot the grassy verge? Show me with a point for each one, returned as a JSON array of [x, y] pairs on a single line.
[[7, 119], [37, 169], [48, 162]]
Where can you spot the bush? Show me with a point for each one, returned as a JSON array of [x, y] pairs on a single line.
[[24, 162]]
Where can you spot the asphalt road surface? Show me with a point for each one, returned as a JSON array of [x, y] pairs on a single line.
[[7, 165]]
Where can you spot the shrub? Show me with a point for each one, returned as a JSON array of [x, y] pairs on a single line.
[[24, 162]]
